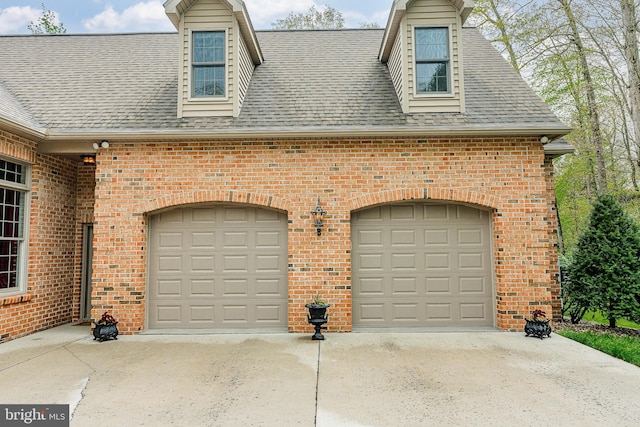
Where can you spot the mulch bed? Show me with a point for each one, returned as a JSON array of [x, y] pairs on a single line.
[[597, 328]]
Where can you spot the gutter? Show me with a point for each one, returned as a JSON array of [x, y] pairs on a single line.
[[81, 141]]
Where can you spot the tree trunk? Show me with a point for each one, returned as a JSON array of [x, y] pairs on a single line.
[[630, 31], [594, 116]]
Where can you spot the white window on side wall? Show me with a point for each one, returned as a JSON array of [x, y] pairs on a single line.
[[14, 196], [433, 62], [208, 64]]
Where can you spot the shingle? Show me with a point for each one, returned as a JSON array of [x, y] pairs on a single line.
[[319, 80]]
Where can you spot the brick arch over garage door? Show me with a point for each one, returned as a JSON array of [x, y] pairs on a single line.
[[422, 264], [148, 207]]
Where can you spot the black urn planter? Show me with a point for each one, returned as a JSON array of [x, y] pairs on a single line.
[[537, 328], [317, 317], [105, 331]]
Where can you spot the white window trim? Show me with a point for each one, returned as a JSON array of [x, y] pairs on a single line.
[[23, 254], [451, 93], [208, 99]]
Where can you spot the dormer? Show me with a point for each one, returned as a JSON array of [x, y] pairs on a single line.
[[422, 47], [218, 54]]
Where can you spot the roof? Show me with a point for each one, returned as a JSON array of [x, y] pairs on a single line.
[[327, 82]]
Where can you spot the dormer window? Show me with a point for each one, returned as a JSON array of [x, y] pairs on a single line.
[[432, 61], [208, 64]]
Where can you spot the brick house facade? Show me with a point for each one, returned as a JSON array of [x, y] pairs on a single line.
[[351, 156]]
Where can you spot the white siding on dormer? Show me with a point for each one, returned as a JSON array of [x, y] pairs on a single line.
[[245, 71], [206, 15], [434, 13], [395, 68]]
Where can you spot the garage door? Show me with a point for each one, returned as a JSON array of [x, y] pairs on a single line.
[[421, 264], [218, 267]]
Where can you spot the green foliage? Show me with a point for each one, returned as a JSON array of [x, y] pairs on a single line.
[[46, 24], [605, 272], [599, 318], [312, 19], [625, 348]]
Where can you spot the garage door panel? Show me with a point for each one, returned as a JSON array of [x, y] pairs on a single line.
[[476, 285], [229, 272], [236, 240], [268, 240], [202, 240], [402, 212], [403, 262], [436, 237], [370, 286], [404, 286], [202, 313], [235, 263], [372, 238], [438, 285], [470, 237], [429, 265], [201, 264], [435, 212], [235, 287], [235, 215], [405, 312], [171, 240], [368, 313], [471, 260], [201, 216], [269, 287], [437, 261], [202, 287], [439, 312], [169, 287], [170, 264]]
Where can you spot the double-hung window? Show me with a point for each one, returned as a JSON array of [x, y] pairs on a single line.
[[433, 62], [208, 64], [13, 200]]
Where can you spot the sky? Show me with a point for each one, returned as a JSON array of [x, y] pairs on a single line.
[[118, 16]]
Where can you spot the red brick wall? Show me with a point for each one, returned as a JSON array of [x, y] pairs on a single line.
[[48, 300], [85, 199], [507, 175]]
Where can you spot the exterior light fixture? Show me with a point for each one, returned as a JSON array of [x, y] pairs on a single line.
[[88, 159], [318, 214], [544, 139], [102, 144]]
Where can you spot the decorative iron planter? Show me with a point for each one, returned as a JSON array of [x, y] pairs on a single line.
[[537, 328], [105, 331], [317, 317]]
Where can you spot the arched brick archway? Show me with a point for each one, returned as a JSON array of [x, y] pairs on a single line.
[[426, 193], [194, 197]]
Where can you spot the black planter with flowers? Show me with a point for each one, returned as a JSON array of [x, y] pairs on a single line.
[[538, 326], [317, 316], [106, 328]]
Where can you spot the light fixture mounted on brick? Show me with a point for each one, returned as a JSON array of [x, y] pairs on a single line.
[[89, 159], [318, 214]]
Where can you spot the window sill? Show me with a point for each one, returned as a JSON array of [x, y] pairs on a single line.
[[15, 299]]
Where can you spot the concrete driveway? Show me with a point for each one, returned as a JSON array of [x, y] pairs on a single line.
[[408, 379]]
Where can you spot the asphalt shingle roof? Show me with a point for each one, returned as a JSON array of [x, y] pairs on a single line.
[[310, 80]]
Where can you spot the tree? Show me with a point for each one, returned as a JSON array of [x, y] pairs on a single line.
[[605, 272], [312, 19], [47, 24]]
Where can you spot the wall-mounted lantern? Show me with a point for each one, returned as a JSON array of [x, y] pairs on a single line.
[[318, 214], [88, 159]]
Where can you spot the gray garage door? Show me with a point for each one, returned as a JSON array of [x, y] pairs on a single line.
[[421, 264], [218, 267]]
